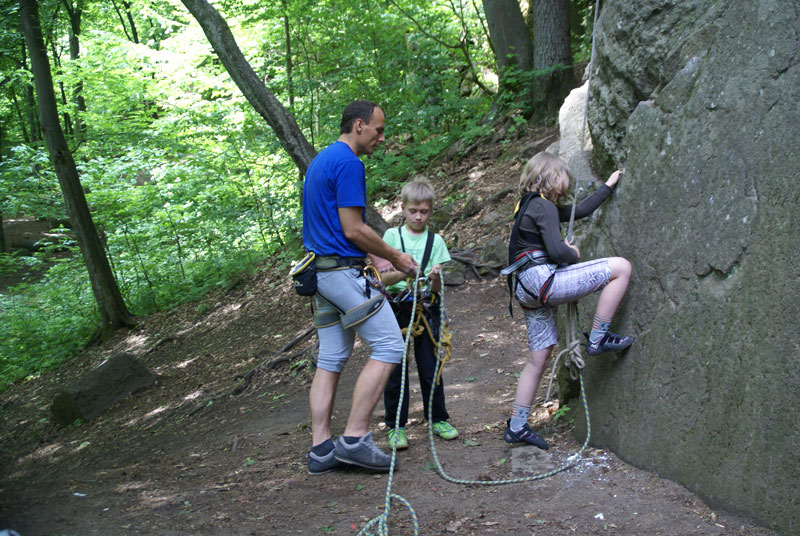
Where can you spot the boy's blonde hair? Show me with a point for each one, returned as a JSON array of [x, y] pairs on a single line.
[[418, 191], [547, 174]]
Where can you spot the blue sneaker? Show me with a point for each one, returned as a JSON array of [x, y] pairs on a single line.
[[318, 465], [610, 342], [525, 435]]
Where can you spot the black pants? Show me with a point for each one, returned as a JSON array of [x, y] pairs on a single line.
[[425, 356]]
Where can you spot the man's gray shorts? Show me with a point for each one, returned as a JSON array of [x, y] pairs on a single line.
[[346, 289]]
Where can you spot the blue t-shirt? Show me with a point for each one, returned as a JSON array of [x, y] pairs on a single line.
[[335, 178]]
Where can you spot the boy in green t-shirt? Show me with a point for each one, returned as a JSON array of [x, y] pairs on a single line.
[[415, 239]]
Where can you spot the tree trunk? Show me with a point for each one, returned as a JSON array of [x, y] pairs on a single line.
[[112, 308], [75, 13], [258, 95], [510, 39], [551, 50], [3, 247], [287, 30]]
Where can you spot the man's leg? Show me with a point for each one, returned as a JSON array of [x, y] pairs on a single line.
[[321, 397], [368, 390]]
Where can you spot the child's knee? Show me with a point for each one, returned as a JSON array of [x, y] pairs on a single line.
[[620, 267]]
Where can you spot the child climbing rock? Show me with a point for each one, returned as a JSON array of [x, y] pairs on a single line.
[[547, 273]]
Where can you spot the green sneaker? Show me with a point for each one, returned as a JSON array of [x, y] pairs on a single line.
[[398, 435], [445, 430]]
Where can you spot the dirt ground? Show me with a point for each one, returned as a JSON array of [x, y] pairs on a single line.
[[205, 452]]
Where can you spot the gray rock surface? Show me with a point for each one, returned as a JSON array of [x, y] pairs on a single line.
[[697, 102], [112, 381]]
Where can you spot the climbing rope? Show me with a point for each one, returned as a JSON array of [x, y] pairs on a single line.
[[380, 523], [571, 460], [574, 362], [443, 344], [570, 235]]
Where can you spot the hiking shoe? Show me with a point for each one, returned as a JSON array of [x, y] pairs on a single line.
[[398, 435], [611, 342], [318, 465], [526, 435], [445, 430], [364, 453]]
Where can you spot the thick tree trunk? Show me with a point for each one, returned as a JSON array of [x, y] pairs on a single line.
[[112, 308], [551, 50], [259, 96], [510, 38]]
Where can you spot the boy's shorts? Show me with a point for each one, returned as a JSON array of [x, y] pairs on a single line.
[[570, 283]]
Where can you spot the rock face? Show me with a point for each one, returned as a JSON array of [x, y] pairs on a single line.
[[697, 102]]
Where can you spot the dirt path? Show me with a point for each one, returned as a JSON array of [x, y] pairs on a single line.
[[188, 457]]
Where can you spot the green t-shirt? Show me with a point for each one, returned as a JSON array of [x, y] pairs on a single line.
[[415, 246]]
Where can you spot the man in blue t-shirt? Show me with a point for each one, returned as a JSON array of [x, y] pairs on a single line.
[[334, 199]]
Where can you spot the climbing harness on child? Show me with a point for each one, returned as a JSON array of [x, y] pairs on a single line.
[[574, 359]]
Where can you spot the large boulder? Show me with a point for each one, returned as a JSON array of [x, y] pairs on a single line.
[[100, 388], [697, 102]]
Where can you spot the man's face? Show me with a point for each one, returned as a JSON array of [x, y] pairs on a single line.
[[370, 135], [417, 214]]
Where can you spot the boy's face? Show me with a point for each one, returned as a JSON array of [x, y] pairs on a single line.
[[417, 214]]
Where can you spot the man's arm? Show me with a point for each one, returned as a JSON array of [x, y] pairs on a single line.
[[368, 240]]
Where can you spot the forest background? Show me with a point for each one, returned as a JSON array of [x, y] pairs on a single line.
[[186, 184]]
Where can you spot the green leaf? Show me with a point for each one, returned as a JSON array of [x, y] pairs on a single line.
[[470, 378], [359, 487]]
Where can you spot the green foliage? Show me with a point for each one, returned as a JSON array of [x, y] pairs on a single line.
[[561, 413], [187, 185], [44, 323]]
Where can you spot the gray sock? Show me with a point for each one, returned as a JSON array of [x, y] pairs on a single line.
[[519, 417]]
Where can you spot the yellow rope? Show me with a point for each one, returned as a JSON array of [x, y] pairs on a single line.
[[445, 341]]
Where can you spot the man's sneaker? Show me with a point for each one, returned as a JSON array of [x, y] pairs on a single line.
[[445, 430], [318, 465], [526, 435], [611, 342], [364, 453], [398, 435]]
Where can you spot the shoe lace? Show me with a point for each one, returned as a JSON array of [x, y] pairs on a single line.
[[613, 338]]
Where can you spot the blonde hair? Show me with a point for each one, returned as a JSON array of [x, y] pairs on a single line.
[[418, 191], [547, 174]]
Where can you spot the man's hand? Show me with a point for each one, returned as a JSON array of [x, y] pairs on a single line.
[[367, 240], [381, 264], [405, 263]]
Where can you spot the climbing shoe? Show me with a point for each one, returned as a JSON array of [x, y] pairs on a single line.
[[398, 435], [445, 430], [610, 342], [364, 453], [526, 435], [318, 465]]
